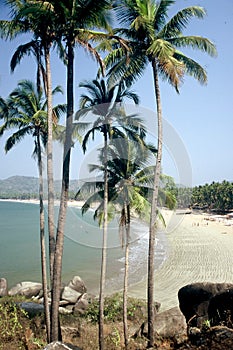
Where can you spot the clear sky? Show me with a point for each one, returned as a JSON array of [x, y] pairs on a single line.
[[200, 116]]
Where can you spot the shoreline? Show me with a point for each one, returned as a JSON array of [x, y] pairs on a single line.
[[198, 249]]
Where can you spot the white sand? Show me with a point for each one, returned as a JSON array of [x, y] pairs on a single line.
[[198, 250]]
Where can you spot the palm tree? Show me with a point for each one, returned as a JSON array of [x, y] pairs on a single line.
[[130, 182], [26, 111], [107, 105], [35, 17], [76, 24], [153, 39]]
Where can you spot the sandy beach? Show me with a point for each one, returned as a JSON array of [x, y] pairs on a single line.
[[199, 249]]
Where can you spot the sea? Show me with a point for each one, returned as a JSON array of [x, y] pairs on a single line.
[[20, 248]]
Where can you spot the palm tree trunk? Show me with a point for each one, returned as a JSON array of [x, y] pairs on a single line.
[[126, 278], [50, 164], [153, 216], [104, 250], [57, 267], [42, 243]]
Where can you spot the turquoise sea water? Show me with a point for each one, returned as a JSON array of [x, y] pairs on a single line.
[[20, 251]]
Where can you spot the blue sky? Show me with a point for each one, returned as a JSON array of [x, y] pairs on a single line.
[[201, 117]]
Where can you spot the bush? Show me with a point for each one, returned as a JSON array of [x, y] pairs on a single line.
[[12, 319], [113, 308]]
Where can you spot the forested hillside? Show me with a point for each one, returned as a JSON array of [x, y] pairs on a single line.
[[26, 187]]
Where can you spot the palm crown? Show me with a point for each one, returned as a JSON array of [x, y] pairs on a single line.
[[150, 36]]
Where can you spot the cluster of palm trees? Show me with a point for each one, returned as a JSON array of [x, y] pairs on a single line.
[[215, 196], [147, 37]]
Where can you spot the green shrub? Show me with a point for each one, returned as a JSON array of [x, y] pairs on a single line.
[[11, 322], [113, 308]]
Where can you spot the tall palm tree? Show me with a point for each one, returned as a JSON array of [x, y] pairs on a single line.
[[106, 104], [26, 111], [76, 24], [35, 17], [154, 39]]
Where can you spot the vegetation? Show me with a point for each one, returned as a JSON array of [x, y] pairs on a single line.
[[213, 197]]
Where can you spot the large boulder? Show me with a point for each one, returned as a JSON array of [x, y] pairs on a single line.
[[27, 289], [3, 287], [77, 284], [194, 300]]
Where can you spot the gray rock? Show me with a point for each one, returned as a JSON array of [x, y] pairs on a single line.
[[3, 287], [61, 346], [82, 304], [27, 289], [70, 295], [170, 323], [77, 284]]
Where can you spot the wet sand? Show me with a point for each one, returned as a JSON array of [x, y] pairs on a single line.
[[198, 250]]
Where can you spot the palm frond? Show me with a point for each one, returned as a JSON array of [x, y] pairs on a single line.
[[195, 42], [17, 137], [179, 22], [192, 68]]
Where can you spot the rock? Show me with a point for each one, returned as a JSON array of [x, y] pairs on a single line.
[[78, 285], [70, 295], [65, 311], [194, 300], [220, 310], [160, 322], [27, 289], [3, 287], [32, 308], [82, 304], [170, 323], [61, 346]]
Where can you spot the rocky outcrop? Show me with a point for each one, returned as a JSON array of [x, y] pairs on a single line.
[[27, 289], [194, 300], [73, 295], [3, 287]]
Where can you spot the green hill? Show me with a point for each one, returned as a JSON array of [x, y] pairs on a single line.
[[26, 187]]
